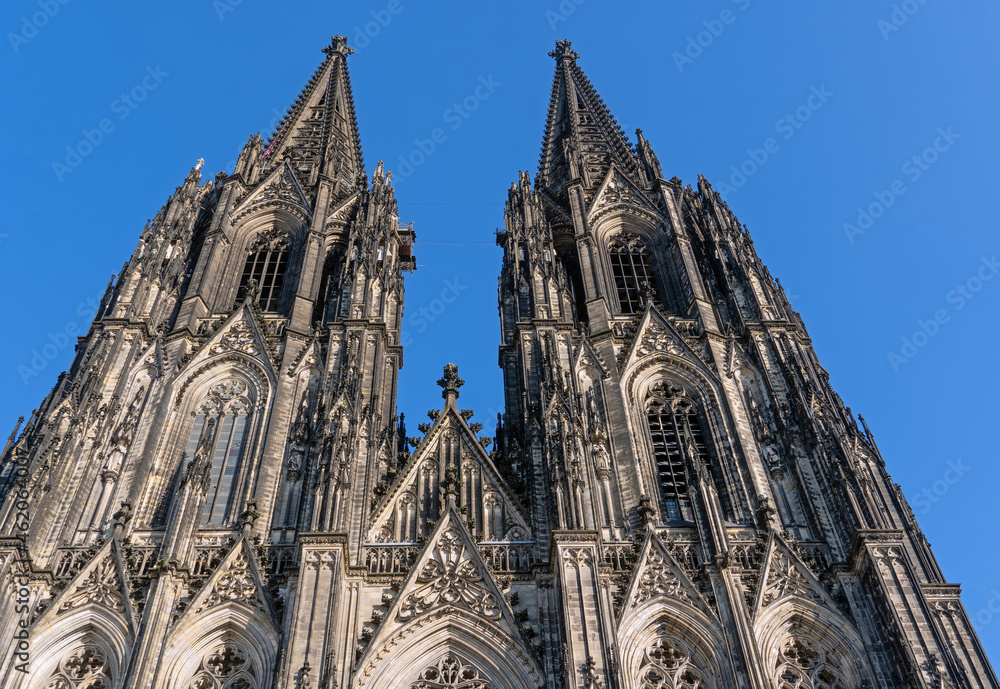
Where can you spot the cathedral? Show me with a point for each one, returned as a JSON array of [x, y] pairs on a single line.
[[220, 494]]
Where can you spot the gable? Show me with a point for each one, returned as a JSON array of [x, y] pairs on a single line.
[[450, 585], [658, 576], [239, 335], [102, 583], [657, 336], [237, 580], [618, 190], [784, 575], [280, 189], [450, 458]]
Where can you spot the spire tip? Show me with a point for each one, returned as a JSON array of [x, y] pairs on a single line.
[[338, 44], [564, 51]]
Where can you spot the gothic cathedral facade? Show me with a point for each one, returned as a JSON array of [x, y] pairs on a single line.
[[219, 493]]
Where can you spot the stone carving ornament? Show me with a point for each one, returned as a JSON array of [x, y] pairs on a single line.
[[450, 577], [666, 665], [101, 586], [86, 667], [656, 339], [237, 584], [451, 672], [803, 665], [225, 667], [785, 579], [238, 338], [658, 579]]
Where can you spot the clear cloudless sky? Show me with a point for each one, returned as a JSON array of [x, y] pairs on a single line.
[[227, 69]]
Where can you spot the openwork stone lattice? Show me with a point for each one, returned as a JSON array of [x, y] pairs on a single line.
[[450, 577], [658, 579], [239, 337], [237, 584], [101, 586], [666, 665], [451, 673], [803, 665], [785, 579], [85, 667], [225, 667], [656, 339]]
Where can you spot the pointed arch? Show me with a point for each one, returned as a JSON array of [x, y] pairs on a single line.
[[90, 644], [473, 641], [266, 263], [806, 646], [241, 644], [234, 391], [660, 356], [668, 644], [635, 263], [674, 420], [268, 242], [631, 271]]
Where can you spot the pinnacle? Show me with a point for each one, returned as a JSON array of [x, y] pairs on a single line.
[[564, 51], [450, 382], [338, 45]]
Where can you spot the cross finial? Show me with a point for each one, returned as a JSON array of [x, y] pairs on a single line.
[[564, 50], [338, 44], [450, 382]]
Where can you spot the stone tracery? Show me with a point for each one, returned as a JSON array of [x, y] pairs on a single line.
[[667, 664], [226, 666], [804, 664], [451, 577], [85, 667], [451, 672]]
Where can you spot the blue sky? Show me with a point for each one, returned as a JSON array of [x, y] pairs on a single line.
[[715, 86]]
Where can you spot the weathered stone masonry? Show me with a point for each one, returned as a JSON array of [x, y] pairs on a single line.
[[221, 494]]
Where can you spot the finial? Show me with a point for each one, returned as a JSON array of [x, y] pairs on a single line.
[[338, 44], [201, 161], [450, 382], [564, 51]]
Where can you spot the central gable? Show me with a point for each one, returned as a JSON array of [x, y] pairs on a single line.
[[449, 459], [450, 601]]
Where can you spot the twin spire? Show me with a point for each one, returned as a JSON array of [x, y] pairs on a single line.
[[319, 135]]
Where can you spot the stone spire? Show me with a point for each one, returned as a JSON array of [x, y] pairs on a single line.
[[582, 139], [319, 134]]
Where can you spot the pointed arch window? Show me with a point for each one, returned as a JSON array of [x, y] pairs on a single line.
[[632, 272], [266, 266], [220, 424], [675, 433]]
